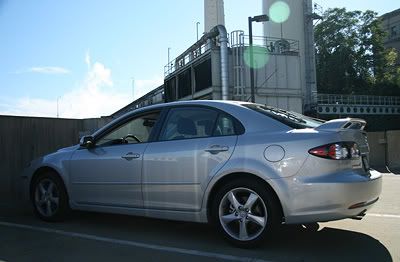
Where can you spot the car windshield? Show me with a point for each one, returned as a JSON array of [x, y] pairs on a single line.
[[289, 118]]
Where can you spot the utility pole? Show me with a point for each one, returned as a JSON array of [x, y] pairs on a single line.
[[58, 114], [169, 49], [169, 64], [133, 89], [197, 30]]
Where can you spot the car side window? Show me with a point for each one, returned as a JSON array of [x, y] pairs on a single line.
[[189, 122], [136, 130], [225, 126]]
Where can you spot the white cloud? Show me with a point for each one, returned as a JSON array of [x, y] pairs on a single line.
[[143, 86], [95, 96], [48, 70]]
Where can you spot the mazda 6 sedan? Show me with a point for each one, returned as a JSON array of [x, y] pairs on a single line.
[[246, 168]]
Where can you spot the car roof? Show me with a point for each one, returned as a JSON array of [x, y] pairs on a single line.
[[211, 103], [198, 102]]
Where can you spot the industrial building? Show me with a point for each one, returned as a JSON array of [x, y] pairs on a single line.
[[221, 65], [391, 25], [217, 66]]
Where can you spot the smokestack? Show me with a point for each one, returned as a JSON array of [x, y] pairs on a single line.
[[213, 14]]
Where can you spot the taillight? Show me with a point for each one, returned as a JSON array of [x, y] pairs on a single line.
[[337, 151]]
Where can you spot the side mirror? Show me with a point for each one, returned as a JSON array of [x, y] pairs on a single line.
[[86, 141]]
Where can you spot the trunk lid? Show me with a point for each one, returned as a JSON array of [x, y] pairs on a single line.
[[342, 124], [352, 130]]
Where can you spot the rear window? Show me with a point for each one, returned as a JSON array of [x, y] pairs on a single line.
[[289, 118]]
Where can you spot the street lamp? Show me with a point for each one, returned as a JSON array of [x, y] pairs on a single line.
[[258, 18]]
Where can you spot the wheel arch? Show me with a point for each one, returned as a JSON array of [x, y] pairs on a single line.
[[42, 170], [239, 175]]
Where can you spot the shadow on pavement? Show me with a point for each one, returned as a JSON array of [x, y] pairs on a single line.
[[291, 243], [327, 244]]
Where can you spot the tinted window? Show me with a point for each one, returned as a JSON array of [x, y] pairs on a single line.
[[225, 126], [291, 119], [190, 122], [137, 130]]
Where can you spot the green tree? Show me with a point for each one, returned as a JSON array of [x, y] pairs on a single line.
[[351, 58]]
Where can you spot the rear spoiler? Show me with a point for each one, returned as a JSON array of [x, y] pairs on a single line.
[[342, 123]]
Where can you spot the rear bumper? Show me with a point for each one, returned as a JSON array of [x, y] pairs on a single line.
[[332, 197]]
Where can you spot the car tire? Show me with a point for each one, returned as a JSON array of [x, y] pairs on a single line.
[[49, 197], [245, 211]]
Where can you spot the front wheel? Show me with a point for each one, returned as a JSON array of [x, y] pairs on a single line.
[[245, 211], [49, 198]]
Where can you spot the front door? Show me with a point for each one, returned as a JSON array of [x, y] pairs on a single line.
[[109, 174]]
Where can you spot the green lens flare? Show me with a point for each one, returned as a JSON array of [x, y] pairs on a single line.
[[279, 12], [260, 57]]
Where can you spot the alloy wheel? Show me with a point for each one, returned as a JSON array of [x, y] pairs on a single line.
[[243, 214], [47, 197]]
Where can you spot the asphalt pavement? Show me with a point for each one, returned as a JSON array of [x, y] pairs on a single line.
[[105, 237]]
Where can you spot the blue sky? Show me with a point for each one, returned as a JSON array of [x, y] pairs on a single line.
[[85, 53]]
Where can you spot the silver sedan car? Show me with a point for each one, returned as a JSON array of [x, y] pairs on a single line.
[[247, 168]]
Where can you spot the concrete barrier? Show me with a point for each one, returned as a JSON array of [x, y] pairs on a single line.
[[377, 148], [384, 149], [393, 149]]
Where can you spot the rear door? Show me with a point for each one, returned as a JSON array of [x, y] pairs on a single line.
[[194, 143]]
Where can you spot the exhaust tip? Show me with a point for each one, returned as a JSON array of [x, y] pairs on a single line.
[[360, 215]]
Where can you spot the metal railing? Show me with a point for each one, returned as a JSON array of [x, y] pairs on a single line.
[[186, 58], [272, 45], [275, 46], [332, 99]]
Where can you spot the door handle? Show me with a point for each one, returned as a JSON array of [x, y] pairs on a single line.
[[215, 149], [130, 156]]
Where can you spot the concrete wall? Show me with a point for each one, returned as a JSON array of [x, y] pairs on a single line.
[[377, 149], [393, 145], [384, 149], [23, 139]]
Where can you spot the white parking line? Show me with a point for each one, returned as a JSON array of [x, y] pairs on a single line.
[[133, 243], [383, 215]]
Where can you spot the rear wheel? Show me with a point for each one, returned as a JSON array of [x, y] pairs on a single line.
[[49, 197], [245, 212]]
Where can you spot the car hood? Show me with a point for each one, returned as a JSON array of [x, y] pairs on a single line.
[[68, 149]]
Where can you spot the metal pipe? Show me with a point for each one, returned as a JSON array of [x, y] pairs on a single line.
[[220, 31], [223, 39]]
